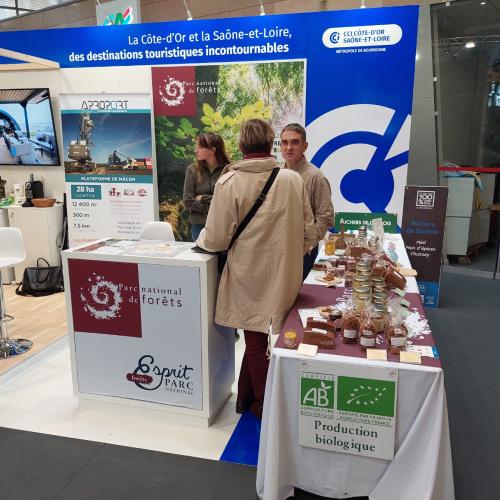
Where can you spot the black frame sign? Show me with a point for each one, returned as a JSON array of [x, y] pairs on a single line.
[[424, 217]]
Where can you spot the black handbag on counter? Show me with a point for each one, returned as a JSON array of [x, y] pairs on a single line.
[[222, 256], [41, 280]]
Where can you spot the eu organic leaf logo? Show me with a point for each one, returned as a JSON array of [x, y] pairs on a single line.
[[370, 396], [366, 395]]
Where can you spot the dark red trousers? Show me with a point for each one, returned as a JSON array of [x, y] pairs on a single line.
[[253, 373]]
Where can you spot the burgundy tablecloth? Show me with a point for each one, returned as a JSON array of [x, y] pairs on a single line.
[[316, 295]]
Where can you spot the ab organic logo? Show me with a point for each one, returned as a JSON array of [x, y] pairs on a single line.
[[317, 394]]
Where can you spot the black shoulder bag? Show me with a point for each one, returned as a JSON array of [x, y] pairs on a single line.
[[222, 256], [41, 280]]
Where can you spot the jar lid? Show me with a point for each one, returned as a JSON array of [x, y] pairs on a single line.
[[362, 279]]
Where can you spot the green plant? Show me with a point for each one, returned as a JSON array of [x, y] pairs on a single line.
[[228, 126], [178, 139]]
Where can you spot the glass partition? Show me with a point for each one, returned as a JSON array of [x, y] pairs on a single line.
[[466, 39]]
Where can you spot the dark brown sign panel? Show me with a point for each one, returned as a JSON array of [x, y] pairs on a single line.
[[424, 215]]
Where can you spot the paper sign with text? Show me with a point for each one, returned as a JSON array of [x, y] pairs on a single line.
[[352, 220]]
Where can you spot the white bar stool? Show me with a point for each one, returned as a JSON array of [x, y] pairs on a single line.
[[11, 252]]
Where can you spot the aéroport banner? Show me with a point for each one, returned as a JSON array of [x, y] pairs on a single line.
[[359, 69], [108, 165]]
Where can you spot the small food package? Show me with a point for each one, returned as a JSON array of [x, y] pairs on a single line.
[[367, 335], [396, 332], [350, 325], [320, 332]]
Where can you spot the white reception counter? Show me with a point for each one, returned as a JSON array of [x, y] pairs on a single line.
[[140, 322]]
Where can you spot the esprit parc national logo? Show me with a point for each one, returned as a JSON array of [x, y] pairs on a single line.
[[119, 18], [105, 297]]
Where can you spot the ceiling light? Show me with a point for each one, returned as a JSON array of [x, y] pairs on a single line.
[[483, 3], [189, 16], [470, 45]]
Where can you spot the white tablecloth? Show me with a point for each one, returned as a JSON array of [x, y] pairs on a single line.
[[421, 468]]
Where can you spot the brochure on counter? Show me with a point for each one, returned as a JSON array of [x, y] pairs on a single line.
[[137, 248]]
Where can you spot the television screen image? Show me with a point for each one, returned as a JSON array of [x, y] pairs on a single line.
[[27, 135]]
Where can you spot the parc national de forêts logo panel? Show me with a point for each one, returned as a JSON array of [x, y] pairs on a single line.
[[174, 91], [105, 297]]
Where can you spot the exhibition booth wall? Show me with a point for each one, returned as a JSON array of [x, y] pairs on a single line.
[[365, 116]]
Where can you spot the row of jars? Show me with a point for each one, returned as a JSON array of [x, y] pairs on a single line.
[[363, 328]]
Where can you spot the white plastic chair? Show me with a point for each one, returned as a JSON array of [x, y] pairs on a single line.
[[156, 230], [12, 252]]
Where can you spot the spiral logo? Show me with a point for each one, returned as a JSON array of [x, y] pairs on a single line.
[[102, 299], [172, 92]]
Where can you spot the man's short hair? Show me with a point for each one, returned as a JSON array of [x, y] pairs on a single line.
[[295, 127], [256, 136]]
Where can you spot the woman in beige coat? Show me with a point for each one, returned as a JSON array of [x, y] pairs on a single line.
[[263, 273]]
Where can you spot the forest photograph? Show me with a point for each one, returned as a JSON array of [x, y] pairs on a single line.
[[226, 96]]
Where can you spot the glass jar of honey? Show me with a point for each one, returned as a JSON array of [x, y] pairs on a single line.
[[290, 339], [379, 317], [330, 244], [362, 301]]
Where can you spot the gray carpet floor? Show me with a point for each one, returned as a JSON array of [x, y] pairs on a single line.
[[466, 328]]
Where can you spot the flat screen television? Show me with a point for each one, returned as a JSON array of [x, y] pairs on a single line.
[[27, 133]]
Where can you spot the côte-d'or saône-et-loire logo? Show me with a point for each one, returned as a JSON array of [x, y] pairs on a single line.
[[104, 299], [149, 376], [362, 36]]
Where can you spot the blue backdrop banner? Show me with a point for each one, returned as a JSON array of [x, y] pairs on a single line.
[[359, 80]]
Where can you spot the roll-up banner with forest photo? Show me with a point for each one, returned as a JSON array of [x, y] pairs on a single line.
[[189, 100]]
